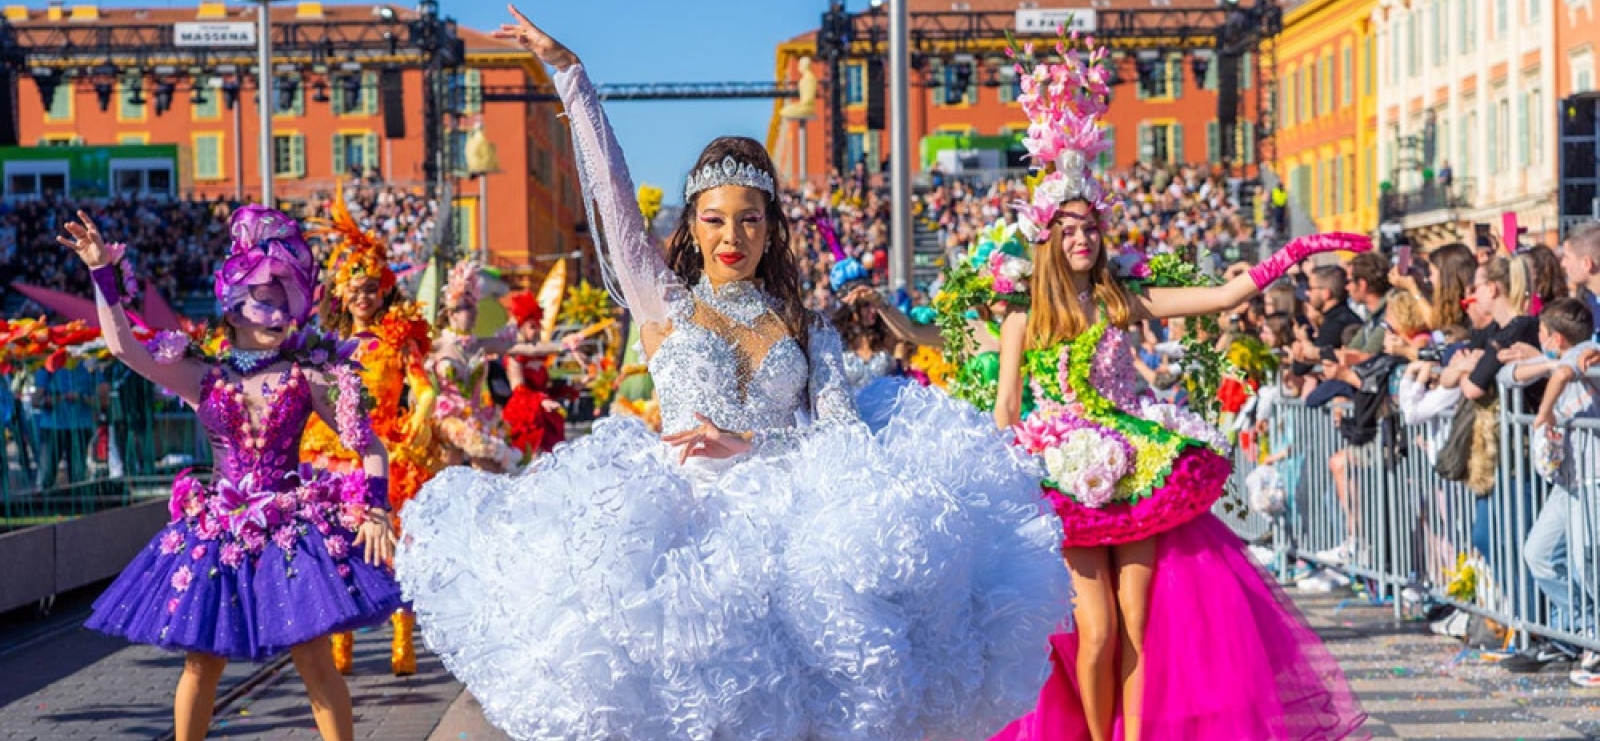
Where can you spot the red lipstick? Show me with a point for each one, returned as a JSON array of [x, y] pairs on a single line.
[[730, 258]]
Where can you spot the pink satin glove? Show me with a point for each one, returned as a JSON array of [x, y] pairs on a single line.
[[1296, 250]]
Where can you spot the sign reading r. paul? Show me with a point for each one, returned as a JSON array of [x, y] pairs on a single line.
[[1046, 21], [214, 34]]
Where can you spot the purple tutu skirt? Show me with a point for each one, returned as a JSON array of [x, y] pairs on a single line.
[[1227, 657], [288, 573]]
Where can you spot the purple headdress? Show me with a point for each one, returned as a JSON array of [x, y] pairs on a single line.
[[1064, 103], [267, 247]]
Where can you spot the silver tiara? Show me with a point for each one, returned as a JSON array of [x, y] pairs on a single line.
[[729, 172]]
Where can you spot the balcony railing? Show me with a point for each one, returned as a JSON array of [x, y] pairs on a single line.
[[1432, 196]]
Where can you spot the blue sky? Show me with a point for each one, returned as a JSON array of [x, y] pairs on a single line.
[[666, 41], [654, 41]]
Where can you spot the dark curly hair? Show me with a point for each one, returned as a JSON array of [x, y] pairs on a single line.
[[848, 319], [778, 272]]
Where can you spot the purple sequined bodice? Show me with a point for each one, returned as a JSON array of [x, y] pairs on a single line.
[[267, 447]]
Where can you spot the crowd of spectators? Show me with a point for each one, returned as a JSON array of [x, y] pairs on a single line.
[[177, 244], [1193, 208], [1430, 340]]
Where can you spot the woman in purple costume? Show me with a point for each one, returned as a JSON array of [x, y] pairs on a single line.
[[264, 558]]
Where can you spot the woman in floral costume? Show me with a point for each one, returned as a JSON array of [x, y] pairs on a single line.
[[361, 302], [264, 557], [470, 425], [534, 416], [1164, 589]]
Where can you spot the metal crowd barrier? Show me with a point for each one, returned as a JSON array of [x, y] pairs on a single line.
[[83, 440], [1378, 512]]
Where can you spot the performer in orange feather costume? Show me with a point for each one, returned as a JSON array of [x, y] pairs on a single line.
[[360, 300]]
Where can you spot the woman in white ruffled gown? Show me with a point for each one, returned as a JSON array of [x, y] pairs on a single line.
[[746, 576]]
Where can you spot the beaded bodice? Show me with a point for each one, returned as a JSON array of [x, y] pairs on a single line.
[[862, 371], [730, 358], [725, 354], [256, 439]]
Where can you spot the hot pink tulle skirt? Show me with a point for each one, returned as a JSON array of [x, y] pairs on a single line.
[[1227, 657]]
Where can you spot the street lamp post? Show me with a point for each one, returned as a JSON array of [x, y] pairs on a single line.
[[264, 90], [900, 262]]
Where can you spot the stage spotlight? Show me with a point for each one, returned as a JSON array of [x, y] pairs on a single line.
[[103, 92], [321, 94], [47, 80], [1200, 64], [1147, 68], [287, 87], [164, 91], [960, 80], [230, 93], [198, 97], [352, 92], [136, 98]]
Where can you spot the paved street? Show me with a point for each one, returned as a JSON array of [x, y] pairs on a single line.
[[63, 683]]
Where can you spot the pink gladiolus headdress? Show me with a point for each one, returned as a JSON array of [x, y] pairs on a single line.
[[465, 285], [1064, 102]]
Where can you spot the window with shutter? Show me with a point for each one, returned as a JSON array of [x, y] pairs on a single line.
[[1213, 142], [60, 103], [207, 156], [1177, 143], [1108, 158]]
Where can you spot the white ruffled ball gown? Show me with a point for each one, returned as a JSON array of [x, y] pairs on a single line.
[[832, 583]]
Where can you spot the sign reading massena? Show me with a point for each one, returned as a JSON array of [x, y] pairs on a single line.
[[1047, 20], [214, 34]]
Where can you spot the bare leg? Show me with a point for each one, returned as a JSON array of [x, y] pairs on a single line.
[[197, 695], [1338, 466], [330, 697], [1094, 617], [1135, 567]]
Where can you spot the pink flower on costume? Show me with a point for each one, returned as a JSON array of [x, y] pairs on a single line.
[[171, 543], [198, 553], [182, 578], [338, 547], [344, 571], [352, 515], [168, 347], [244, 504], [172, 605], [232, 555], [253, 539], [284, 538], [1094, 486], [208, 527]]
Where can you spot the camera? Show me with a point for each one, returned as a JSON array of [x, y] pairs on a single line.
[[1428, 355]]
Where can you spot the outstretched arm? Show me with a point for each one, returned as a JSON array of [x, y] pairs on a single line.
[[642, 273], [898, 324], [336, 398], [184, 376], [1167, 303]]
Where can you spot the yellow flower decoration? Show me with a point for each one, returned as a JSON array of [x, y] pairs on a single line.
[[649, 202]]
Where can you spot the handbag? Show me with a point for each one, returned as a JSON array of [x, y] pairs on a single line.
[[1451, 463]]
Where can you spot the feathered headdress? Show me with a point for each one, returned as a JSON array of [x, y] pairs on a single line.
[[267, 247], [465, 285], [524, 307], [356, 253], [1064, 102]]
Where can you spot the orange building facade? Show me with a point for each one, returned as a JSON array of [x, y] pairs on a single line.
[[1327, 113], [1174, 122], [534, 210]]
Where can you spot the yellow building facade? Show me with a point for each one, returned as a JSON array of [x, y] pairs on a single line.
[[1327, 113]]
